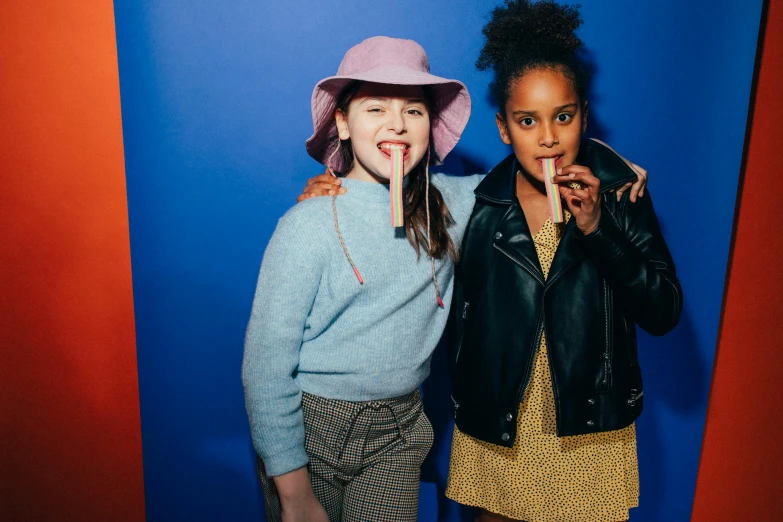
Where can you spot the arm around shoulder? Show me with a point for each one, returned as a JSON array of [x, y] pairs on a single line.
[[631, 253]]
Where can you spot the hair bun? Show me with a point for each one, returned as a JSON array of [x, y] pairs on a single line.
[[523, 34]]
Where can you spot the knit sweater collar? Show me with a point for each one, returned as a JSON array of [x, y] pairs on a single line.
[[368, 191]]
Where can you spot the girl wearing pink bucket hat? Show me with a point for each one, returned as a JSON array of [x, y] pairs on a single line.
[[546, 383], [348, 309]]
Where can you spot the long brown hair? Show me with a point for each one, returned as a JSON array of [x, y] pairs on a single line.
[[415, 190]]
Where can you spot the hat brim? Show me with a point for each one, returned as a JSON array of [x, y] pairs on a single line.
[[451, 98]]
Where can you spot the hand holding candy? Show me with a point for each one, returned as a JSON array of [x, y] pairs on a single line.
[[585, 202]]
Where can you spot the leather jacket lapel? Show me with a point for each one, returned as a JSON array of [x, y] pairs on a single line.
[[512, 237], [568, 254]]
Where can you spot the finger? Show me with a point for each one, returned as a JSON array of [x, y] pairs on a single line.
[[578, 173], [324, 178], [635, 188], [573, 168], [583, 195], [324, 189], [584, 178], [622, 190], [574, 205], [640, 171]]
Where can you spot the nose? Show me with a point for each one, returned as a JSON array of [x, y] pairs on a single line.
[[396, 122], [548, 136]]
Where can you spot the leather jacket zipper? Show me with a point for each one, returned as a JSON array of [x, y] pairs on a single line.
[[608, 352], [635, 396], [465, 307], [537, 341]]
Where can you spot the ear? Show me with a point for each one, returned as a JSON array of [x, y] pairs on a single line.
[[584, 116], [502, 128], [341, 120]]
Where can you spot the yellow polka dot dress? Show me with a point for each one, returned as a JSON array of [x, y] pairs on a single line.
[[545, 478]]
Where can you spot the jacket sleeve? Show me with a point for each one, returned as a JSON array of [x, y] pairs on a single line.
[[632, 256], [287, 284]]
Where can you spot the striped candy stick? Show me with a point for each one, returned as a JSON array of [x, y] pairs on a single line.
[[552, 193], [395, 186]]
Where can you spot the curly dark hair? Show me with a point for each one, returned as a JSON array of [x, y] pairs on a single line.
[[524, 35]]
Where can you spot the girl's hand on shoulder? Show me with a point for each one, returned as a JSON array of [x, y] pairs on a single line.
[[583, 197], [636, 187], [321, 185]]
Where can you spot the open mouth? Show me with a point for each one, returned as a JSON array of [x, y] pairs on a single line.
[[557, 159], [386, 148]]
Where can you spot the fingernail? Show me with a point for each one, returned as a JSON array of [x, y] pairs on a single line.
[[342, 190], [560, 170], [339, 181], [331, 192], [571, 175]]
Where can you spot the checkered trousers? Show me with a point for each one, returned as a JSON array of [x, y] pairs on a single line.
[[365, 458]]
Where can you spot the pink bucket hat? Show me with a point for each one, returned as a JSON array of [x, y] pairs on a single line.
[[390, 61]]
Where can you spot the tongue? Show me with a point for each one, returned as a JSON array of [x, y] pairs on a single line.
[[395, 185]]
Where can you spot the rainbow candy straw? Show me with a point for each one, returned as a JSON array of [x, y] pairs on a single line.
[[552, 193], [395, 186]]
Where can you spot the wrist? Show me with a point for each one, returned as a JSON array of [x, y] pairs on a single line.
[[591, 226], [294, 486]]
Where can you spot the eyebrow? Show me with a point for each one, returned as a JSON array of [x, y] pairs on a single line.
[[383, 99], [523, 112]]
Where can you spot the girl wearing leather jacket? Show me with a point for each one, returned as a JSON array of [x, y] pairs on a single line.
[[546, 381]]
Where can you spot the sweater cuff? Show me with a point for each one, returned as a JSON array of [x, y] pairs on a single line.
[[282, 463]]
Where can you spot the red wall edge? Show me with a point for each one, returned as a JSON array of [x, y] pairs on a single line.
[[741, 470], [70, 437]]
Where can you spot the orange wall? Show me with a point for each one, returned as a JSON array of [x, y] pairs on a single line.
[[70, 439], [741, 471]]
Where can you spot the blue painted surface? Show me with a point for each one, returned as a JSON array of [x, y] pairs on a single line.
[[215, 102]]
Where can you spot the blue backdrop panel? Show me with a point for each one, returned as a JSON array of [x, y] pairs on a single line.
[[215, 101]]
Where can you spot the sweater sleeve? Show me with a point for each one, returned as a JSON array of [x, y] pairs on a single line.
[[287, 285]]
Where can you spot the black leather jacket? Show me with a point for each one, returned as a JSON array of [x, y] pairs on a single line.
[[599, 287]]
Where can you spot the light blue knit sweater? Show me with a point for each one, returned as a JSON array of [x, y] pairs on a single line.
[[314, 328]]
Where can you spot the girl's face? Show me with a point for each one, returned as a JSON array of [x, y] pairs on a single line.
[[380, 116], [543, 118]]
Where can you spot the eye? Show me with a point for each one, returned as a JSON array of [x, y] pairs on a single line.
[[527, 122], [417, 112], [564, 117], [374, 109]]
